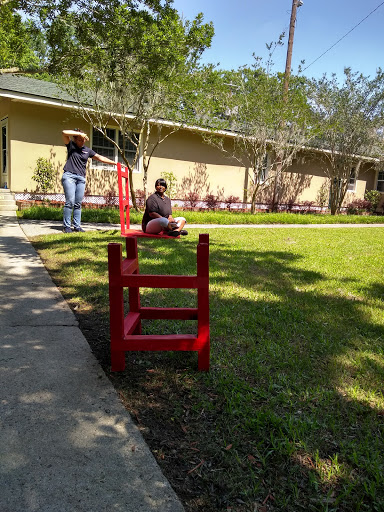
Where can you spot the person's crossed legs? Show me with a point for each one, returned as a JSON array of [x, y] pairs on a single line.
[[155, 226]]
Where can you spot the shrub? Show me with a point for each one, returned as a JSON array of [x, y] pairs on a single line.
[[373, 196], [191, 198], [230, 200], [290, 205], [322, 197], [44, 174], [211, 201], [358, 206], [171, 180], [307, 206], [110, 198]]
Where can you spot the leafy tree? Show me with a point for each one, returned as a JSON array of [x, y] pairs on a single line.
[[127, 64], [322, 197], [350, 121], [374, 197], [250, 104], [18, 49], [171, 180]]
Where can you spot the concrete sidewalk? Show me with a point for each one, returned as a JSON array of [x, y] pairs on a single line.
[[67, 444]]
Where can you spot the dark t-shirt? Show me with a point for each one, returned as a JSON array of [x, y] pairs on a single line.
[[77, 158], [158, 205]]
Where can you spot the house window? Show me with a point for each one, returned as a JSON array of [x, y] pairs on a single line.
[[264, 170], [380, 181], [4, 149], [352, 181], [104, 147], [3, 154], [129, 148]]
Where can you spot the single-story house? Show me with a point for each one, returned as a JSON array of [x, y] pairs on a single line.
[[33, 114]]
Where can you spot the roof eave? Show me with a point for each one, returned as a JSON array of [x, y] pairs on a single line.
[[25, 98]]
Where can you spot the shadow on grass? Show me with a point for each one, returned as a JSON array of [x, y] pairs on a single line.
[[290, 415]]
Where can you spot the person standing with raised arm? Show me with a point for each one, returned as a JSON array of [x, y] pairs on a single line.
[[73, 179]]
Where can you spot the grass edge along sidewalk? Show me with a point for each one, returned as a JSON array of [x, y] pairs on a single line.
[[112, 216], [291, 416]]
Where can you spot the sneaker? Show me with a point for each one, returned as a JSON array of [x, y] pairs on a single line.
[[173, 233], [79, 230], [183, 232], [67, 230]]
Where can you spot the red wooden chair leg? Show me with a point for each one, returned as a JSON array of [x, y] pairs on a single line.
[[117, 360], [203, 302], [203, 358], [133, 292], [116, 305]]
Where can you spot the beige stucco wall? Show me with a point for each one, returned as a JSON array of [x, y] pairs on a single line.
[[306, 177], [35, 131], [303, 180], [4, 107], [198, 167], [366, 175], [369, 174]]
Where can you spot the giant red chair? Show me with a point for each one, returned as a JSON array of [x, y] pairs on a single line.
[[126, 332], [123, 182]]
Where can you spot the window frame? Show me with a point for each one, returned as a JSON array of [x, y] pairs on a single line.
[[4, 155], [97, 165], [352, 181], [381, 181], [265, 169]]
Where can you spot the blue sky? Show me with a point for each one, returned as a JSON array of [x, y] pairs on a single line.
[[243, 27]]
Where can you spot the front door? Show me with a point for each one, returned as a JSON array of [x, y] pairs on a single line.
[[4, 182]]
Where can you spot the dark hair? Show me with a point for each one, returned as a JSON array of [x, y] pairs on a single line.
[[161, 181], [80, 131]]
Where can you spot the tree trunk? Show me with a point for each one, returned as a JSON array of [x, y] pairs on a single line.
[[253, 201], [133, 195], [276, 183], [333, 209], [333, 195], [144, 140], [145, 180]]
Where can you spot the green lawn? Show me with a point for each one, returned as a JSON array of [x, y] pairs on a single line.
[[291, 415], [223, 217]]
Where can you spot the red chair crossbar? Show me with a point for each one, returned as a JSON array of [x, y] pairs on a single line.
[[123, 182], [126, 330]]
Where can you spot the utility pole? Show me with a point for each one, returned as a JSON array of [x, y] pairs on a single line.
[[295, 5], [276, 185]]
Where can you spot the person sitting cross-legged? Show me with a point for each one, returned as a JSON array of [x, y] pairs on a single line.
[[158, 217]]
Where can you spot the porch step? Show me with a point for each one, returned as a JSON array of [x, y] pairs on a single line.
[[6, 208], [7, 201]]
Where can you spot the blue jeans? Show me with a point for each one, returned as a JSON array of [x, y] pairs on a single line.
[[74, 188]]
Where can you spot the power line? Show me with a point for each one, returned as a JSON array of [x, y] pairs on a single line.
[[344, 36]]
